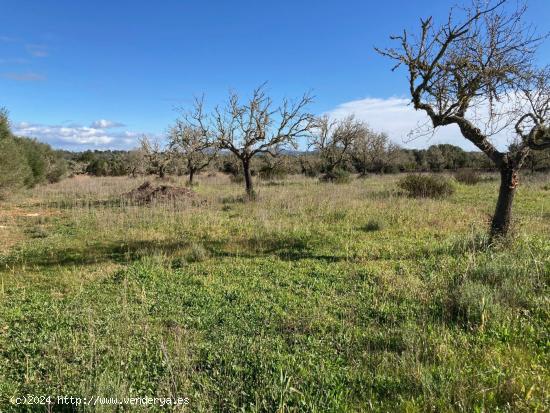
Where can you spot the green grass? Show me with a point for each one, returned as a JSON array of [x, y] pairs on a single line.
[[316, 298]]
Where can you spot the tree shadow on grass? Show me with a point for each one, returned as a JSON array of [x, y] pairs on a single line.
[[117, 252], [285, 247]]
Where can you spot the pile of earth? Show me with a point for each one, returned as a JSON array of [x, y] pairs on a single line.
[[148, 193]]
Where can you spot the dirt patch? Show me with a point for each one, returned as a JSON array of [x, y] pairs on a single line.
[[13, 212], [148, 193]]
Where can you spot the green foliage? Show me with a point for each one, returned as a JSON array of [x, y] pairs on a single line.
[[373, 225], [109, 163], [5, 131], [271, 168], [231, 165], [15, 172], [426, 186], [46, 165], [98, 167], [311, 165], [57, 170], [336, 176], [25, 162]]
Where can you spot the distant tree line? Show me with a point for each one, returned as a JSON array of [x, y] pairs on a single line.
[[255, 137], [381, 160], [26, 162]]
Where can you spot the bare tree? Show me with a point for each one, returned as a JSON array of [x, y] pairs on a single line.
[[257, 127], [156, 158], [192, 139], [135, 160], [373, 151], [333, 140], [458, 69]]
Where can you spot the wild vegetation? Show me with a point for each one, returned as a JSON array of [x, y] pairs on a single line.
[[315, 297], [332, 284], [25, 162]]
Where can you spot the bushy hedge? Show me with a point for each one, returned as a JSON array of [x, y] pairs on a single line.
[[26, 162], [426, 186]]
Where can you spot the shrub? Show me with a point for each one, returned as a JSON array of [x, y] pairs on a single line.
[[337, 176], [310, 165], [15, 172], [467, 176], [267, 173], [25, 162], [271, 168], [475, 304], [373, 225], [45, 164], [426, 186], [57, 171], [197, 253], [237, 178]]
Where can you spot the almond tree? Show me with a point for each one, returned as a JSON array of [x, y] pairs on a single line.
[[255, 127], [483, 62], [333, 140], [156, 158], [192, 139], [373, 151]]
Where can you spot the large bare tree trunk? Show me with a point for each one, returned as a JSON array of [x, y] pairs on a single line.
[[248, 178], [191, 175], [503, 212]]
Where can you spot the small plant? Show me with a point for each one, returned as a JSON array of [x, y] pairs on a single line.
[[37, 232], [237, 178], [475, 304], [426, 186], [197, 253], [337, 216], [373, 225], [467, 176]]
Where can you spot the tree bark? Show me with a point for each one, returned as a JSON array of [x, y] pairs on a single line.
[[191, 175], [248, 178], [503, 212]]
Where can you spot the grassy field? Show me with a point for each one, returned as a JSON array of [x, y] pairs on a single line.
[[315, 298]]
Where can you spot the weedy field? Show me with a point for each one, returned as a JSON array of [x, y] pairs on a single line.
[[316, 297]]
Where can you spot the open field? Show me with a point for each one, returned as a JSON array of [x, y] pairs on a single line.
[[316, 297]]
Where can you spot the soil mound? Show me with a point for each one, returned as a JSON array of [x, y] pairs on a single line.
[[146, 193]]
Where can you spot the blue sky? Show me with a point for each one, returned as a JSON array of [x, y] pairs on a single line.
[[97, 74]]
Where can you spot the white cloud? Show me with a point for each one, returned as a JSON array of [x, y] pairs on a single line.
[[396, 117], [24, 77], [105, 124], [14, 61], [76, 137], [7, 39], [37, 50]]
